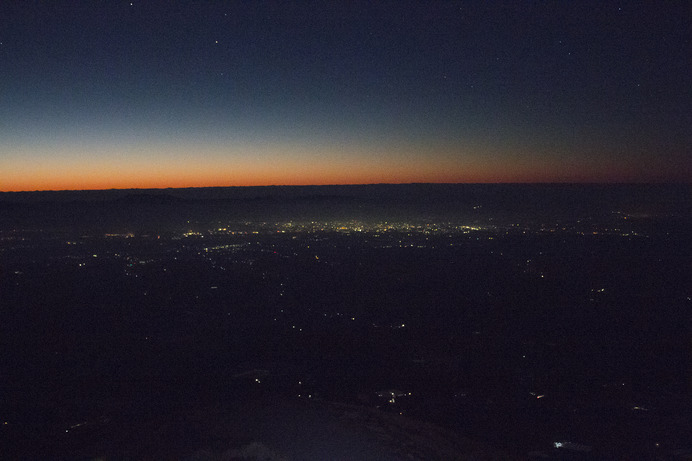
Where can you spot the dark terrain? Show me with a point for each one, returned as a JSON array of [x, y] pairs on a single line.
[[357, 322]]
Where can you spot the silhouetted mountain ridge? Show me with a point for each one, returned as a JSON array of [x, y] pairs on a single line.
[[153, 208], [153, 199]]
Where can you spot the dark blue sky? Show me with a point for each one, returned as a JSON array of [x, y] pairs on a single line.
[[158, 94]]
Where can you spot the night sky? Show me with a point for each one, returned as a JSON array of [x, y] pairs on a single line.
[[149, 94]]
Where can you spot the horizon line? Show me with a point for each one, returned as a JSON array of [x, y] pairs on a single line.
[[535, 183]]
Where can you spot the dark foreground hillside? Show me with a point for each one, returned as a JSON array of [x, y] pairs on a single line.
[[251, 421]]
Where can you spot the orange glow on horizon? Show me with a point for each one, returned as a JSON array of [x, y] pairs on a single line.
[[105, 181], [161, 168]]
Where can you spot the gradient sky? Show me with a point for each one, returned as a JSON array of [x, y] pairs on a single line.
[[149, 94]]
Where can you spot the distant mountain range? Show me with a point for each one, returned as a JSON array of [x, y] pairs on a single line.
[[372, 191], [165, 207]]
